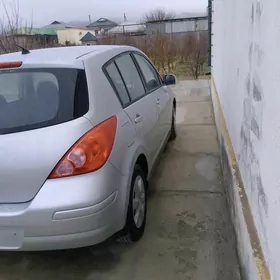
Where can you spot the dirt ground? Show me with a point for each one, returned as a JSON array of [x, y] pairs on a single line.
[[188, 235]]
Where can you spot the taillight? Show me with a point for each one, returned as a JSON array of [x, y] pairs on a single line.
[[90, 153], [6, 65]]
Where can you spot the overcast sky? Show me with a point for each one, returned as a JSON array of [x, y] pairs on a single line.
[[46, 11]]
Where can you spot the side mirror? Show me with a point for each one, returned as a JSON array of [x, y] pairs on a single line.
[[169, 80]]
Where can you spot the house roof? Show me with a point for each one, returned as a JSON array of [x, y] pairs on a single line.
[[102, 22], [58, 25], [36, 31], [26, 31], [55, 24], [88, 38]]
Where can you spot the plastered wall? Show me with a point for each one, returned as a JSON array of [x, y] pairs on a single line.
[[246, 71]]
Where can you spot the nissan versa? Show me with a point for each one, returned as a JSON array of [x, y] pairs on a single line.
[[80, 131]]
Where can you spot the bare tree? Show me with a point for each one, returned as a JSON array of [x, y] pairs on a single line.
[[14, 34], [195, 53], [158, 15], [8, 26]]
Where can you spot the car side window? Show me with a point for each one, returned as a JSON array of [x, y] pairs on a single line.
[[130, 76], [150, 75], [117, 81]]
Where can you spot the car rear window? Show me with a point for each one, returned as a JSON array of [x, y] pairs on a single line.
[[36, 98]]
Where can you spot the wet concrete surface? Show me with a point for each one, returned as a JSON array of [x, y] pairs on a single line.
[[188, 234]]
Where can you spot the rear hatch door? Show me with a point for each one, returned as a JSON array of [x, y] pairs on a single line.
[[41, 113]]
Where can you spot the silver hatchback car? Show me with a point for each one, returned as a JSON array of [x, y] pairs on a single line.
[[80, 131]]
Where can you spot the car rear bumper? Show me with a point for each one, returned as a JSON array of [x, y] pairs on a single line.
[[66, 213]]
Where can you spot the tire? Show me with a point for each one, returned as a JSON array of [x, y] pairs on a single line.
[[173, 133], [135, 227]]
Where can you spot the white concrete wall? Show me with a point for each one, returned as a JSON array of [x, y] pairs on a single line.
[[246, 70], [178, 26], [72, 35]]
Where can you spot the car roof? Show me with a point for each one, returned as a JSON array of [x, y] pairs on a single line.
[[61, 55]]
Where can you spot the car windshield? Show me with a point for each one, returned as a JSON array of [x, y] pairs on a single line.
[[36, 98]]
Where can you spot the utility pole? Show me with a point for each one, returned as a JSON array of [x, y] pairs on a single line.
[[125, 20]]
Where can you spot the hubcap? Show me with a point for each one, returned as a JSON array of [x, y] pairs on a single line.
[[139, 201]]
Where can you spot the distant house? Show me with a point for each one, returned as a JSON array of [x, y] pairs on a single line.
[[101, 26], [178, 25], [28, 36], [73, 36], [55, 26], [67, 34], [89, 39], [129, 28], [11, 42]]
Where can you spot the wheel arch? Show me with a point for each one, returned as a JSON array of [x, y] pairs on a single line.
[[174, 103], [143, 163], [139, 157]]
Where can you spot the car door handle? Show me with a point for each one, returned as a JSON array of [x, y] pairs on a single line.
[[158, 101], [138, 118]]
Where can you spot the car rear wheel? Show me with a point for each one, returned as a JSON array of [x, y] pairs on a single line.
[[173, 133], [137, 208]]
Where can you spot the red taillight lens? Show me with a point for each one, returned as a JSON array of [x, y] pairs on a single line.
[[6, 65], [90, 153]]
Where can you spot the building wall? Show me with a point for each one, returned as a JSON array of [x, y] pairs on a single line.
[[71, 35], [178, 26], [89, 43], [246, 69], [101, 29]]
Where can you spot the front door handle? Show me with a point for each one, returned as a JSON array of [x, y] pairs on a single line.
[[158, 101], [138, 118]]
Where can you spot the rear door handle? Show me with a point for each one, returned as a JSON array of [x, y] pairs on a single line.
[[158, 101], [138, 118]]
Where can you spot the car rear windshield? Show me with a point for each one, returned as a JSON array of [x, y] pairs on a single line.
[[36, 98]]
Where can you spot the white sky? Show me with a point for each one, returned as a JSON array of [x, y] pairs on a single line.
[[46, 11]]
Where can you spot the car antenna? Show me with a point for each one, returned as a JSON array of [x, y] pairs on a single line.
[[23, 50]]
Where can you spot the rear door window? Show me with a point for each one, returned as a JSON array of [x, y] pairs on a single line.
[[118, 83], [36, 98], [130, 76]]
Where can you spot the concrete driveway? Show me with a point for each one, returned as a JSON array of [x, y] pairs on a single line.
[[188, 234]]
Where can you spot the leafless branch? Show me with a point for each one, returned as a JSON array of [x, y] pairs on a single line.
[[157, 15]]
